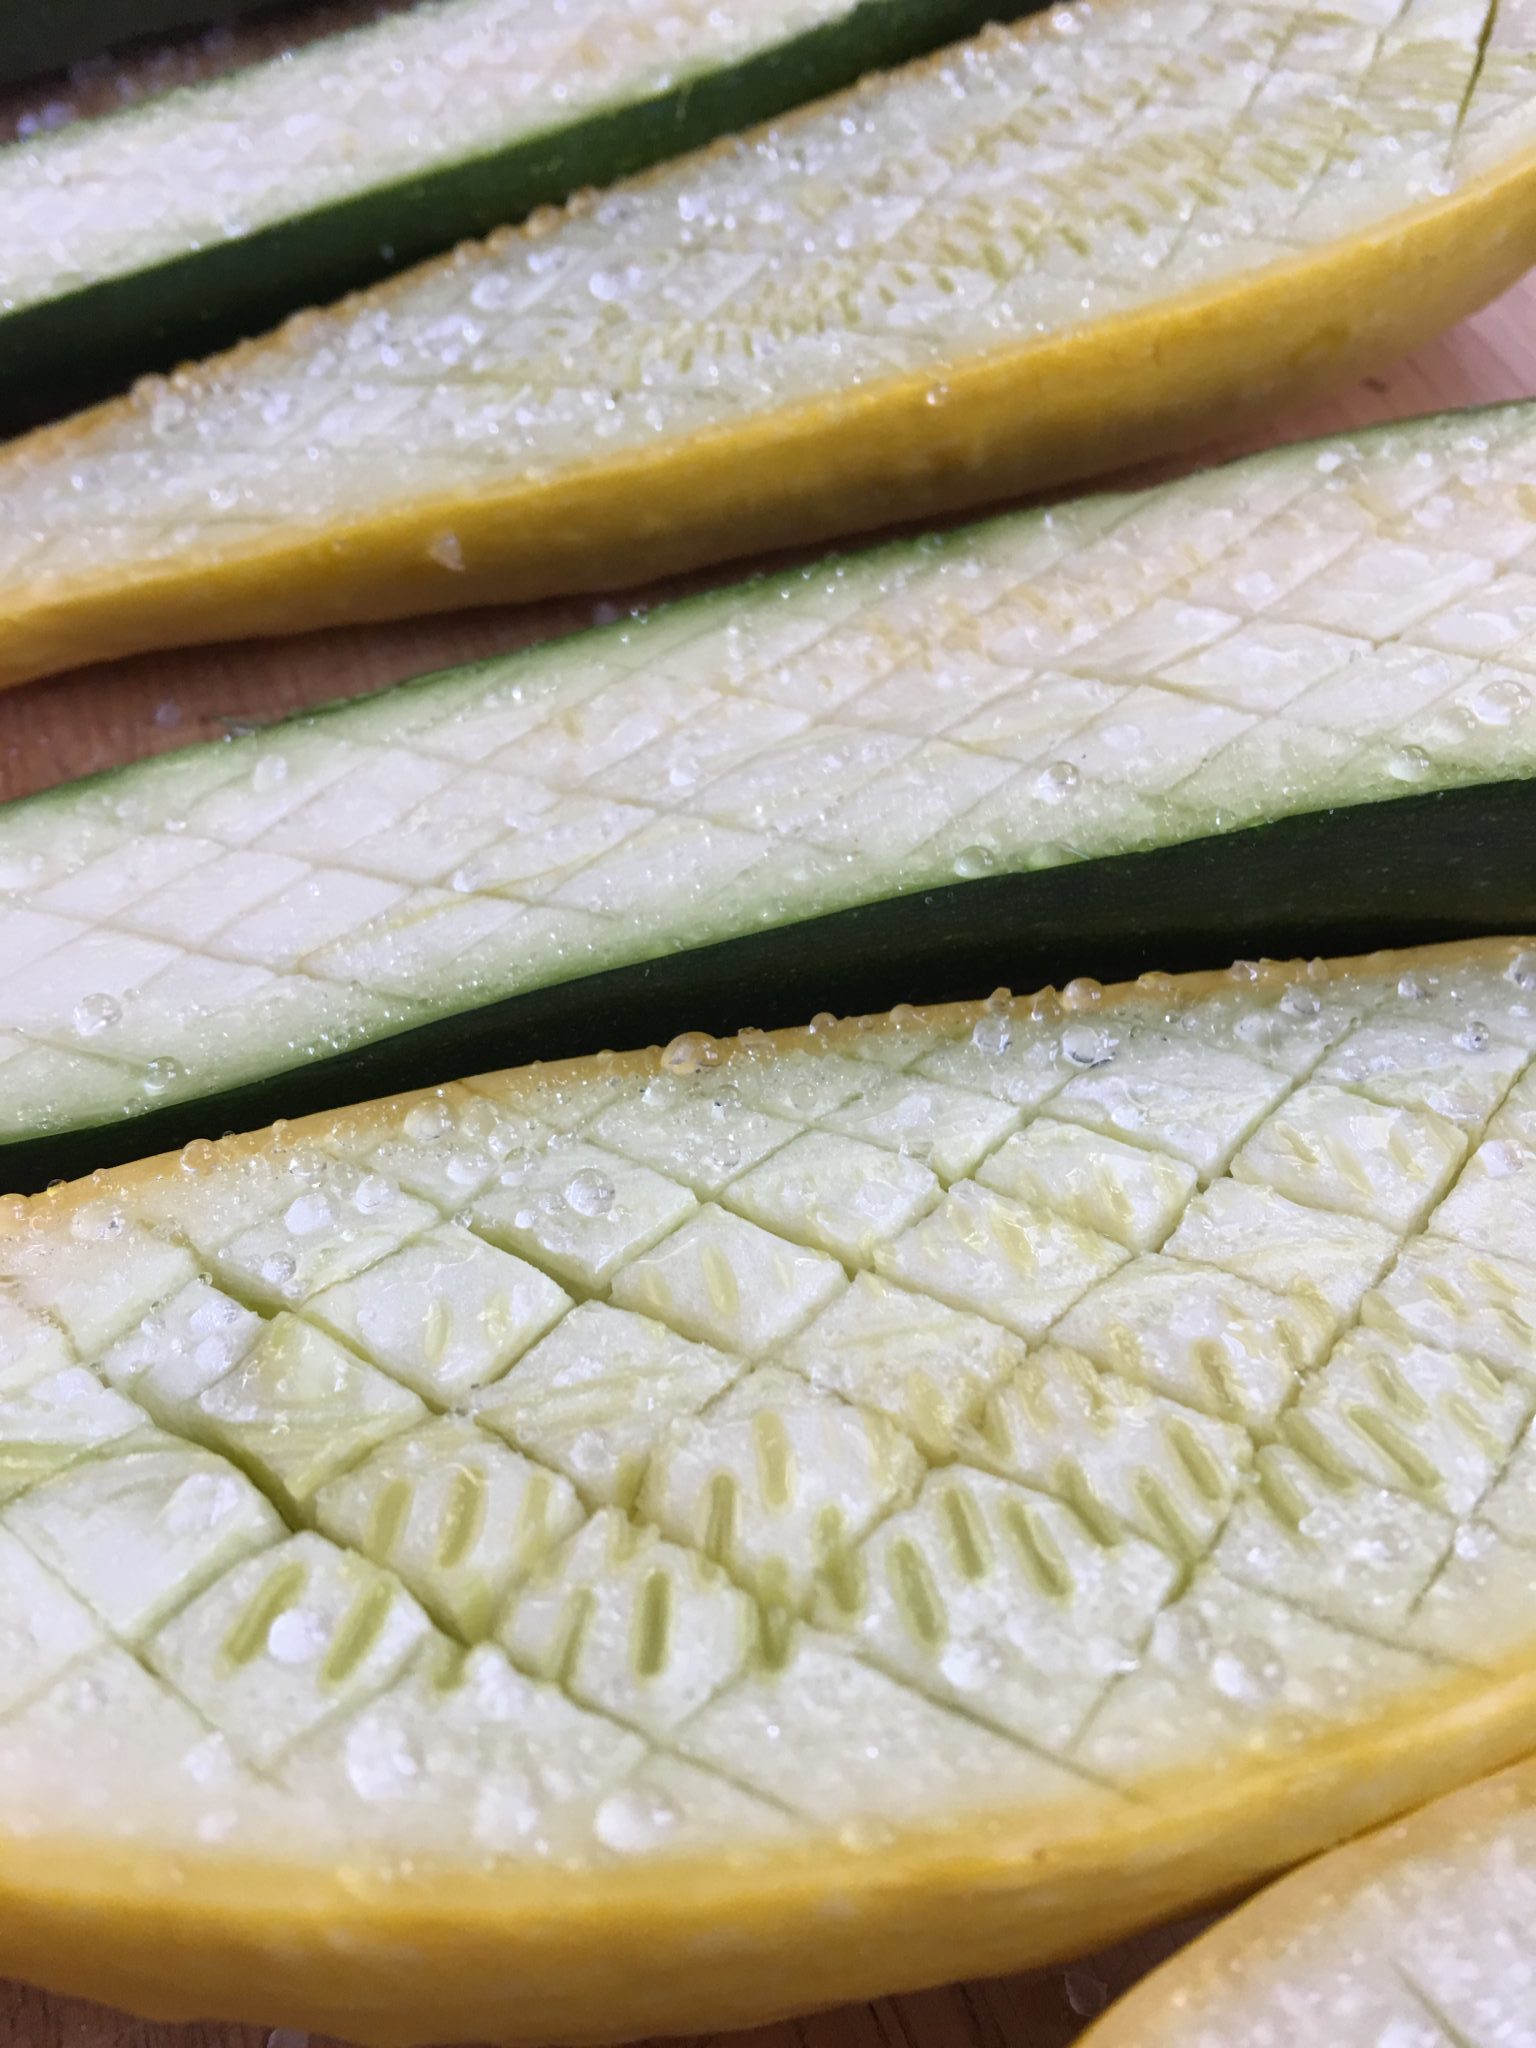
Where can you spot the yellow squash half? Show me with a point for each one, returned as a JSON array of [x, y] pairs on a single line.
[[1418, 1934], [666, 1540]]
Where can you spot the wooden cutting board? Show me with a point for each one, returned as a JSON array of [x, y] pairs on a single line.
[[100, 717]]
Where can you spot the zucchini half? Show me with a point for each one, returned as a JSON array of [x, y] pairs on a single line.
[[650, 1543], [1288, 704], [1420, 1933], [41, 38], [185, 224], [1050, 250]]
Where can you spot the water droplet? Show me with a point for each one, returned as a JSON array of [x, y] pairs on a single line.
[[972, 861], [1086, 1994], [427, 1121], [690, 1051], [90, 1226], [306, 1214], [992, 1035], [159, 1076], [269, 771], [1052, 785], [448, 552], [1249, 1673], [1474, 1036], [1259, 1028], [1499, 702], [1086, 1045], [1181, 1635], [1411, 989], [379, 1756], [970, 1666], [98, 1013], [589, 1194], [1501, 1158], [297, 1637], [1300, 1002], [630, 1821], [305, 1163], [1408, 764], [371, 1194], [1522, 970]]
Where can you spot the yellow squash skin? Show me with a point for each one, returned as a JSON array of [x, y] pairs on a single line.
[[443, 1953], [529, 1959], [1118, 390]]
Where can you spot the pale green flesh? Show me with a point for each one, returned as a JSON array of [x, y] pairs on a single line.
[[1039, 178], [1326, 625], [397, 99], [1421, 1939], [1001, 1411]]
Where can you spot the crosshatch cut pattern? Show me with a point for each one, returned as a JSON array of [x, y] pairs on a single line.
[[392, 100], [1036, 182], [106, 716], [1419, 1934], [1041, 174], [1124, 671], [992, 1410]]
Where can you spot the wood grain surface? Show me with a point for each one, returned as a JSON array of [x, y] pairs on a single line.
[[97, 718]]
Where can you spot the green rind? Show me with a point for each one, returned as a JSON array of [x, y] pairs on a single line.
[[1376, 868], [1417, 870], [65, 352], [36, 37]]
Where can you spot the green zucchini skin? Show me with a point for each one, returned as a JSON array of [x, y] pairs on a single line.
[[1454, 863], [42, 35], [67, 352]]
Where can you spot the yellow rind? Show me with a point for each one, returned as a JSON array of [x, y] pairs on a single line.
[[541, 1957], [1116, 391], [520, 1956], [1285, 1913], [1171, 992]]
